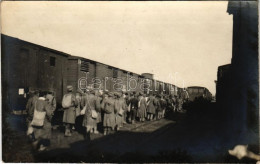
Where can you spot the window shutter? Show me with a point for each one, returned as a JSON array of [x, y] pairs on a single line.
[[84, 66]]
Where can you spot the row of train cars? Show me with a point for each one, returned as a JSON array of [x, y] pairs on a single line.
[[27, 66]]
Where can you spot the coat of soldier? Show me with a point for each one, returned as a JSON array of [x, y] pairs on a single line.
[[30, 105], [108, 105], [120, 108], [141, 113], [92, 104], [151, 107], [69, 114], [42, 134]]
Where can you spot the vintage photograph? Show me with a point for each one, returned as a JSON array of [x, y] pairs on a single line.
[[130, 82]]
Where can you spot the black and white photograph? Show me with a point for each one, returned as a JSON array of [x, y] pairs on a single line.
[[130, 82]]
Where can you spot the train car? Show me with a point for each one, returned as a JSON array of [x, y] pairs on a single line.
[[54, 70], [197, 92], [27, 66]]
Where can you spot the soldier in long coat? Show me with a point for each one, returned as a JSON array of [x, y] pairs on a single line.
[[108, 105], [51, 100], [42, 134], [120, 108], [134, 107], [162, 106], [69, 114], [151, 108], [34, 95], [92, 104], [157, 106], [127, 112], [141, 112], [98, 94]]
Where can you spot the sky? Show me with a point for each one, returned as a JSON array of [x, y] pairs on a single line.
[[180, 42]]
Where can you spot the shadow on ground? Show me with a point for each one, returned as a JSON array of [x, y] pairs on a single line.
[[194, 136]]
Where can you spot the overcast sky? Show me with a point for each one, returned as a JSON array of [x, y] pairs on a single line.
[[185, 40]]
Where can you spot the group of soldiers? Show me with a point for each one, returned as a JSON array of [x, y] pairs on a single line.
[[95, 111]]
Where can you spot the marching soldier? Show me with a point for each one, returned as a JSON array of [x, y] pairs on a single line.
[[91, 104], [69, 104], [108, 105]]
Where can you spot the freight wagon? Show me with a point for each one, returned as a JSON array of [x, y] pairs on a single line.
[[197, 92], [27, 66]]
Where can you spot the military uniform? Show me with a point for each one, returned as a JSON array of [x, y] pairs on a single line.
[[108, 104], [141, 113], [43, 134], [120, 105], [92, 103], [69, 115]]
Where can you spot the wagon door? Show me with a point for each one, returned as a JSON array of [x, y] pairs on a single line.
[[19, 69]]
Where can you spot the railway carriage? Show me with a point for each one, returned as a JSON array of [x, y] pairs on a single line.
[[27, 66], [197, 92]]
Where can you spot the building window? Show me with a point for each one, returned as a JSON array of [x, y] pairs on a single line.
[[52, 61]]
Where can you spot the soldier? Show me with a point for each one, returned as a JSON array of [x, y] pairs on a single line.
[[141, 113], [127, 113], [78, 120], [134, 107], [69, 104], [108, 105], [163, 106], [34, 95], [179, 103], [51, 100], [52, 103], [99, 95], [120, 107], [92, 106], [151, 108], [158, 107], [42, 126], [124, 96], [169, 102], [174, 100]]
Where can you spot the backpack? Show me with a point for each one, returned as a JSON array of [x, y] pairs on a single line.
[[67, 101], [38, 117]]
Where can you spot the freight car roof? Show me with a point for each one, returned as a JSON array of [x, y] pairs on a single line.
[[46, 48], [196, 87]]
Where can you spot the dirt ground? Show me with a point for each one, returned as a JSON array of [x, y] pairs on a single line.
[[180, 137]]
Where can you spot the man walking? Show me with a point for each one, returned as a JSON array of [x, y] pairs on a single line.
[[69, 104]]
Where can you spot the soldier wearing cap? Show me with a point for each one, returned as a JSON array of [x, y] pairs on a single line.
[[92, 105], [79, 118], [108, 106], [51, 100], [151, 108], [30, 106], [141, 112], [69, 114], [120, 108], [42, 133], [133, 108], [34, 95]]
